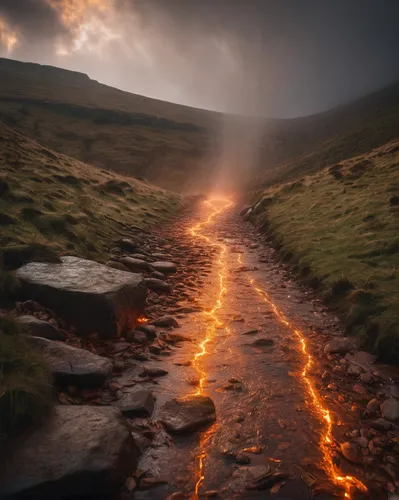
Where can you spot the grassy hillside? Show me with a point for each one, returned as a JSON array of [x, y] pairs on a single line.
[[48, 198], [340, 228], [72, 114], [301, 146]]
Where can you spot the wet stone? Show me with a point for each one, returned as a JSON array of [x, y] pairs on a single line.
[[390, 409], [381, 424], [153, 372], [157, 285], [165, 321], [187, 413], [150, 330], [134, 265], [40, 328], [164, 267], [339, 346], [351, 452], [137, 403], [137, 337], [373, 405], [72, 366]]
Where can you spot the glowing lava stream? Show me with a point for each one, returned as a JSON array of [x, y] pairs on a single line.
[[196, 232], [346, 482]]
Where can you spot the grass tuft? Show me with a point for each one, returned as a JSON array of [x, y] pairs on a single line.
[[25, 380]]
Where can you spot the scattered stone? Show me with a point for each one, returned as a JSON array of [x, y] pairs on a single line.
[[390, 409], [80, 450], [128, 244], [135, 265], [212, 493], [242, 459], [120, 347], [381, 424], [366, 378], [373, 405], [250, 332], [187, 413], [73, 366], [351, 452], [359, 389], [177, 496], [362, 359], [137, 403], [262, 343], [150, 330], [90, 296], [137, 337], [40, 328], [158, 275], [339, 346], [157, 285], [153, 372], [165, 321], [32, 306], [117, 265], [325, 376], [164, 267]]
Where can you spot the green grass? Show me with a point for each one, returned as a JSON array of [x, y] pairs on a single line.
[[56, 204], [340, 228], [67, 112], [25, 380]]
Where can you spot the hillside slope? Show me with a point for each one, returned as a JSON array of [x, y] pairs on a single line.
[[293, 148], [72, 114], [340, 229], [50, 199]]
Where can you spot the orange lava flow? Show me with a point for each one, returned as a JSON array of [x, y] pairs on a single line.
[[348, 483], [217, 206]]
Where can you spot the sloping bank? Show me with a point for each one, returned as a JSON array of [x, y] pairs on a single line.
[[340, 230]]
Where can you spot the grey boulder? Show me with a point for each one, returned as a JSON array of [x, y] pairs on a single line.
[[92, 297], [72, 366], [40, 328], [80, 450], [187, 413]]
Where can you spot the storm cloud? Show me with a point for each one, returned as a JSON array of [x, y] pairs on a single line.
[[268, 58]]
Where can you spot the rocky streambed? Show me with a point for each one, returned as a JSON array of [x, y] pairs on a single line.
[[178, 373]]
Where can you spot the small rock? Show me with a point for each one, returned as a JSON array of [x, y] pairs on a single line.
[[187, 413], [32, 306], [164, 267], [381, 424], [150, 330], [137, 337], [177, 496], [359, 389], [390, 409], [339, 346], [373, 405], [157, 285], [212, 493], [165, 321], [351, 452], [262, 343], [119, 365], [120, 347], [366, 378], [242, 459], [135, 265], [325, 376], [39, 328], [153, 372], [117, 265], [137, 403]]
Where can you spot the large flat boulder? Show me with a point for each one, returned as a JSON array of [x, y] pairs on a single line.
[[187, 413], [79, 450], [92, 297], [72, 366]]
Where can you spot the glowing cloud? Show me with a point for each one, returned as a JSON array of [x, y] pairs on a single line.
[[8, 37], [90, 23]]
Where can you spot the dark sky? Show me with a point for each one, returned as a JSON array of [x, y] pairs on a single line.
[[271, 58]]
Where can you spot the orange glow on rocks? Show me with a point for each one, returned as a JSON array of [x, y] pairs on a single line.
[[217, 206], [347, 483]]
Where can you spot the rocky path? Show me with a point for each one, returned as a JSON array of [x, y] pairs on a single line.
[[237, 382], [297, 406]]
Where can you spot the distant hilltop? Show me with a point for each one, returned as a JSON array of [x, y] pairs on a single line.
[[42, 72]]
